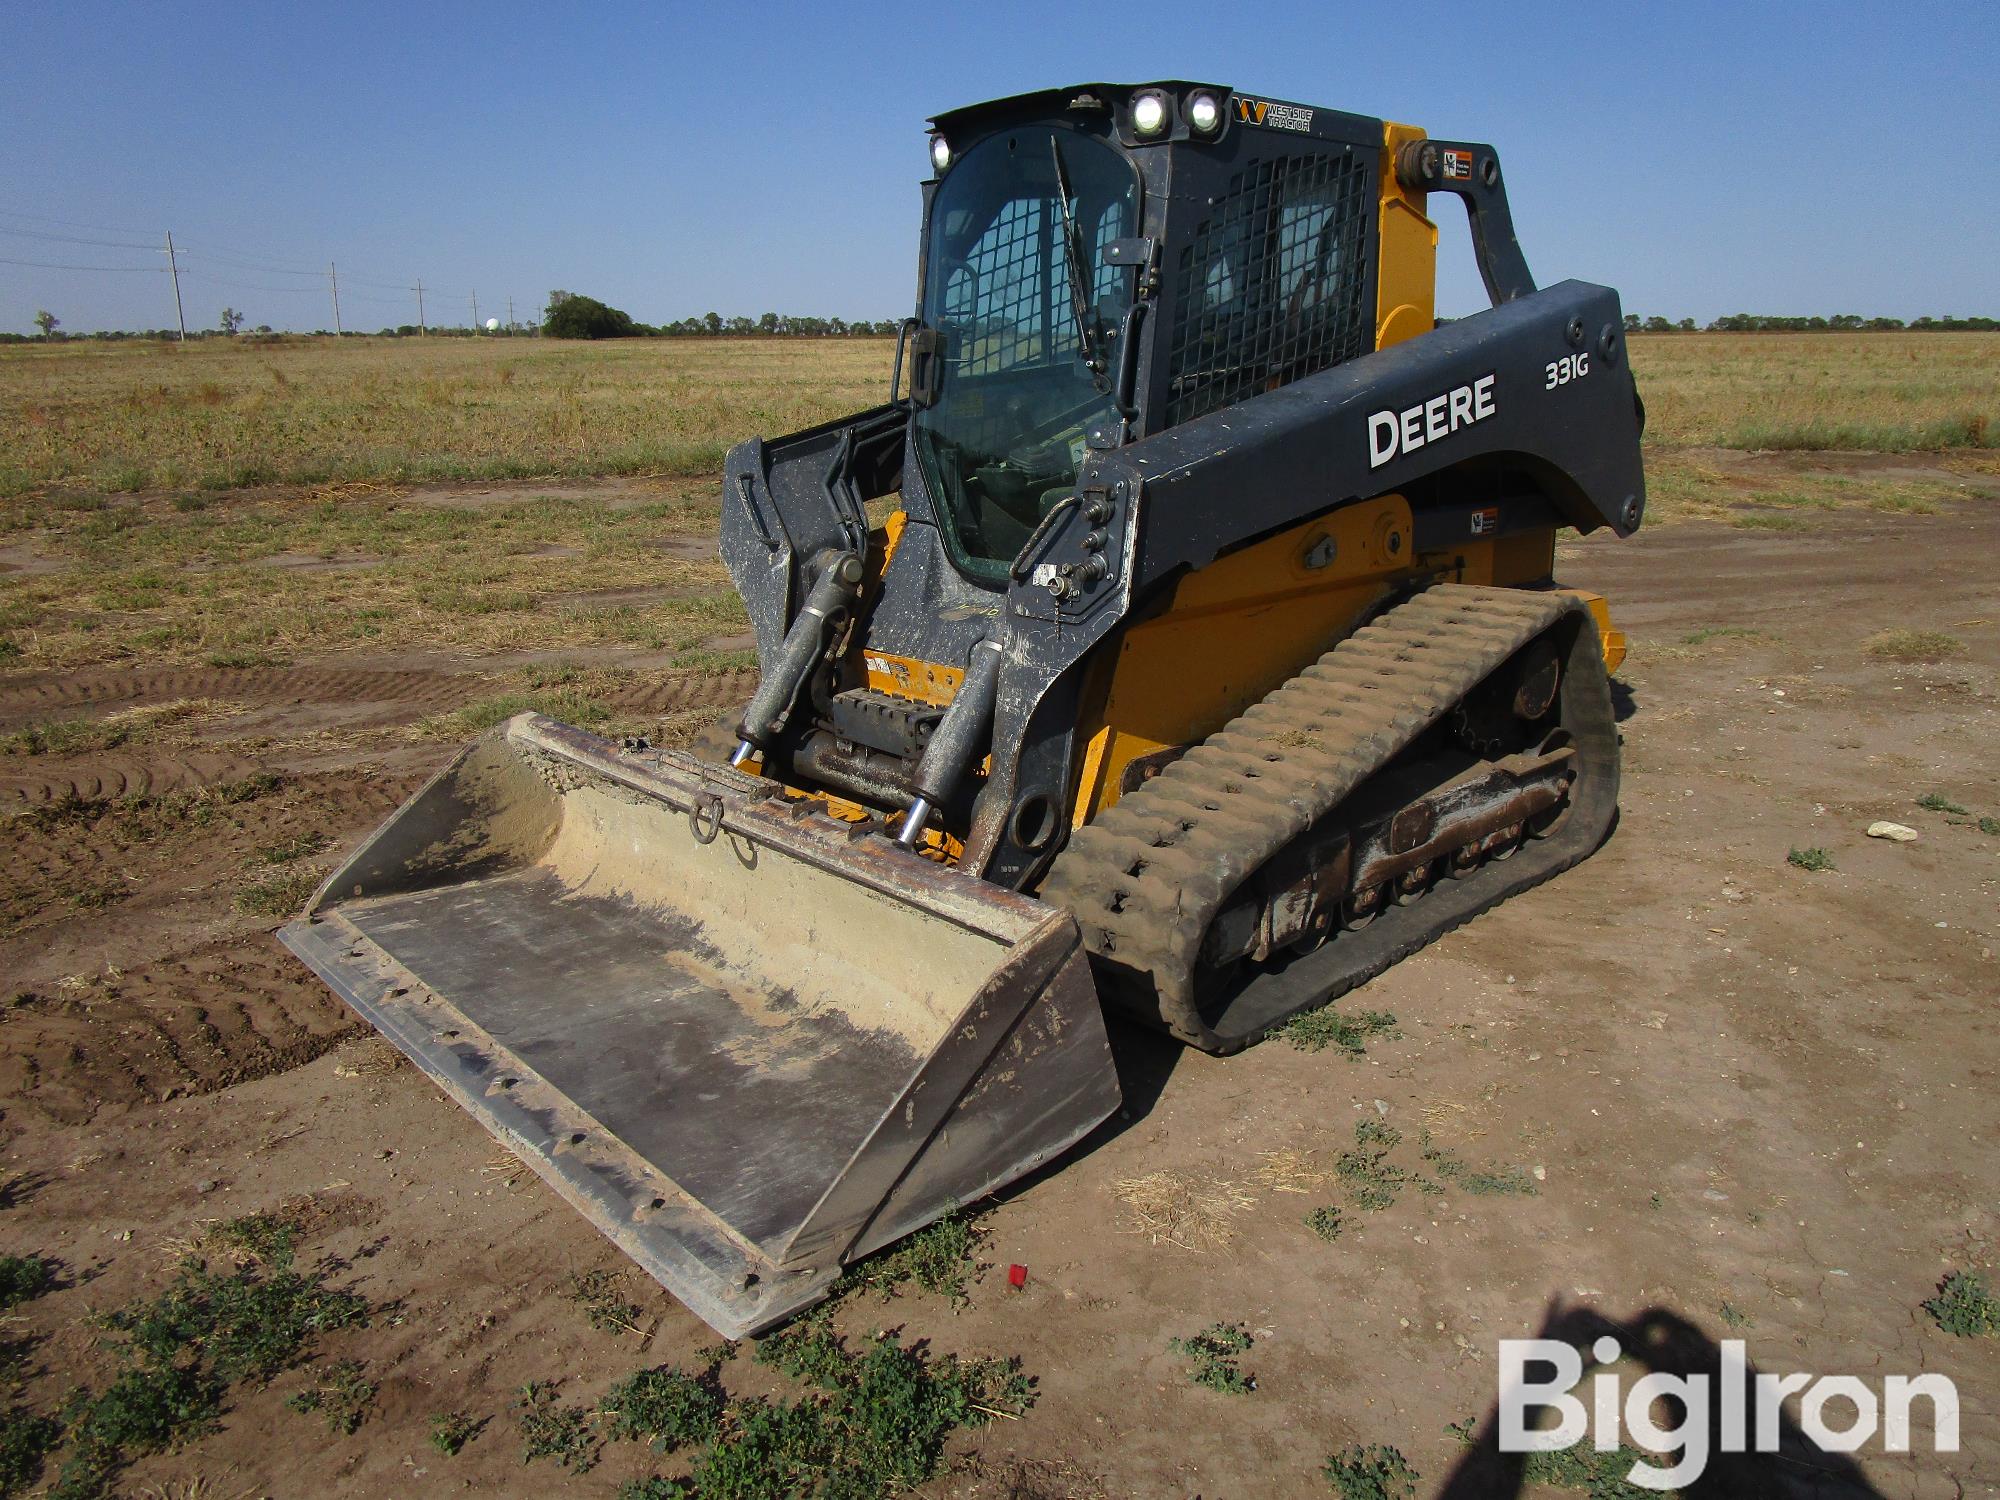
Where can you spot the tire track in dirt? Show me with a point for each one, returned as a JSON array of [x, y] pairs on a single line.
[[420, 690], [682, 692], [223, 1014], [110, 776]]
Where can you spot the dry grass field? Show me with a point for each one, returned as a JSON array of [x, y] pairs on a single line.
[[1884, 393], [225, 414], [237, 503], [1730, 1079]]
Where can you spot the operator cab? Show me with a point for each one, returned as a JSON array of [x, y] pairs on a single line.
[[1110, 260]]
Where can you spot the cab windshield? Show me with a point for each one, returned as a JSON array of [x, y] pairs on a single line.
[[1028, 311]]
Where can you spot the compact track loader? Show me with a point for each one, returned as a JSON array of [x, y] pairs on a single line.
[[1179, 637]]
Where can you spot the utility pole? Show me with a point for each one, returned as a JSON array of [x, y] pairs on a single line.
[[510, 314], [174, 269], [419, 290], [475, 309], [333, 281]]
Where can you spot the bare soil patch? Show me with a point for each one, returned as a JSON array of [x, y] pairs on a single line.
[[1751, 1101]]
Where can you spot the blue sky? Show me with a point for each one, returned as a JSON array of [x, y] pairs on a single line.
[[671, 159]]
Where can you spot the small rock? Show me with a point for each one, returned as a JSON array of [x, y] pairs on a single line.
[[1895, 832], [206, 1185], [1541, 1174]]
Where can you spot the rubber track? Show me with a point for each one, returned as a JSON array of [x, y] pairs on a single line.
[[1147, 879]]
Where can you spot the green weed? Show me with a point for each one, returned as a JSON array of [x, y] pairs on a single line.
[[1316, 1030], [1453, 1168], [1600, 1475], [1990, 827], [1814, 859], [182, 1350], [1325, 1222], [452, 1430], [1733, 1316], [936, 1258], [567, 1434], [1938, 802], [876, 1423], [27, 1438], [1374, 1181], [343, 1398], [146, 1409], [597, 1293], [1372, 1472], [654, 1488], [664, 1407], [1964, 1307], [1212, 1356], [249, 1325], [23, 1278]]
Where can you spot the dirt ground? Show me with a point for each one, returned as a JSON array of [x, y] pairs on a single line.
[[1755, 1101]]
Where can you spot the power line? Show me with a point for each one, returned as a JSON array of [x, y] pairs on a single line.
[[15, 213], [250, 286], [71, 239], [197, 251], [49, 265], [229, 259], [179, 254]]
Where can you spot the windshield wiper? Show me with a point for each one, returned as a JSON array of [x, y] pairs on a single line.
[[1079, 296]]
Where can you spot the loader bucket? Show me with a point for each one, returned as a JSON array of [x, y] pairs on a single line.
[[747, 1045]]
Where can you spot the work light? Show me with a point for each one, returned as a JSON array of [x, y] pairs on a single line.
[[1204, 113], [940, 153], [1149, 114]]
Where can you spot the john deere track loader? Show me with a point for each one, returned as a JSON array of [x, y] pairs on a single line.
[[1179, 637]]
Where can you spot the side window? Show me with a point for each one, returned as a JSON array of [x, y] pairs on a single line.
[[1271, 285]]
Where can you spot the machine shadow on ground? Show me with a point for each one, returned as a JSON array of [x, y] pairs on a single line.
[[1663, 1341]]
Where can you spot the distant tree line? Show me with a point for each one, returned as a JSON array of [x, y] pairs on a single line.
[[264, 334], [578, 317], [571, 315], [1838, 323]]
